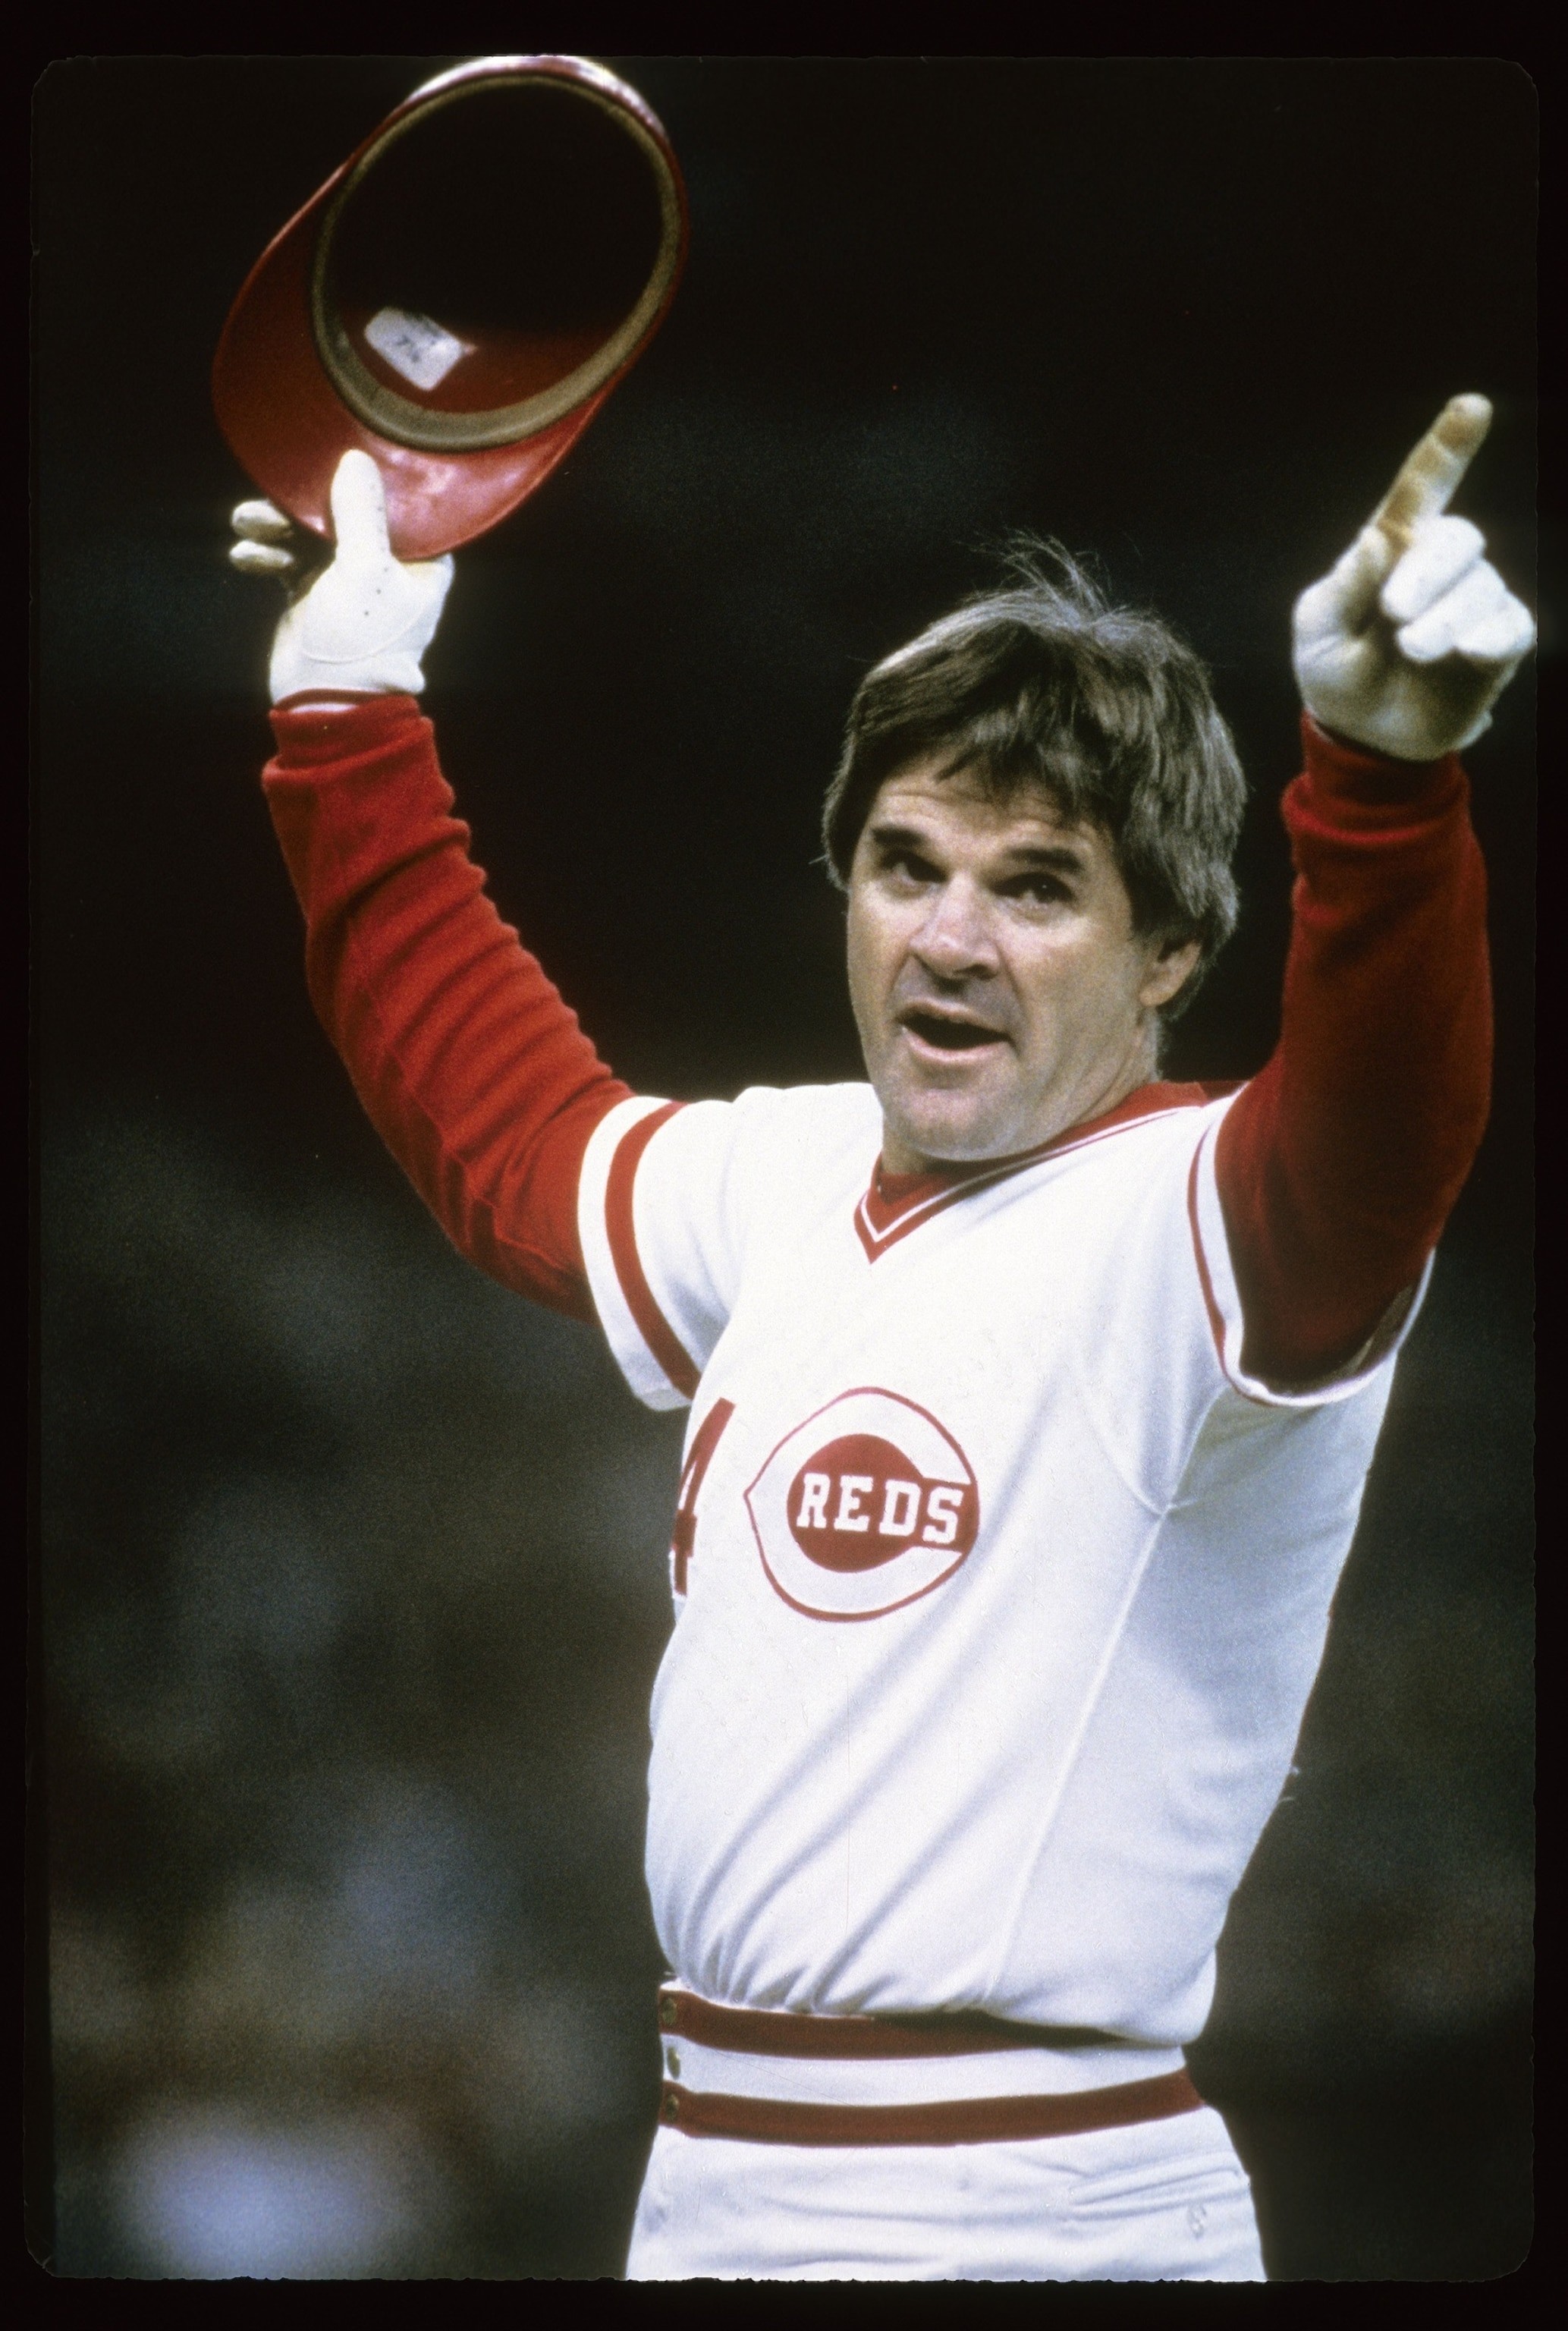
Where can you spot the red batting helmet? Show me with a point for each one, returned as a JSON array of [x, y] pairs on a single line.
[[459, 299]]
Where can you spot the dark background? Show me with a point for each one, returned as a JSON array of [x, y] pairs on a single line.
[[354, 1565]]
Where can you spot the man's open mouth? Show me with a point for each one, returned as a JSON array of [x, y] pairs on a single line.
[[949, 1035]]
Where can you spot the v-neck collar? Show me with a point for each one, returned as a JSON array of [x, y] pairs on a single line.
[[896, 1203]]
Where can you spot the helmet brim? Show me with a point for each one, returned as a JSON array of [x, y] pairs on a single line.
[[293, 395]]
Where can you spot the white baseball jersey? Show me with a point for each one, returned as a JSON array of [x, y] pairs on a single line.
[[1000, 1588]]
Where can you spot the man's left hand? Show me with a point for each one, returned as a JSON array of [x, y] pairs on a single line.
[[1407, 643]]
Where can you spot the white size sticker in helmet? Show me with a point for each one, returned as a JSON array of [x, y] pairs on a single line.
[[423, 352]]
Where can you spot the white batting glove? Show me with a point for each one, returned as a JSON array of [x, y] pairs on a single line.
[[366, 620], [1408, 642]]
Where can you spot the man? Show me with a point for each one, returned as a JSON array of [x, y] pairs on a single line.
[[1031, 1398]]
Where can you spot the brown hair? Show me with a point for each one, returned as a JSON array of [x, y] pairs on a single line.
[[1044, 682]]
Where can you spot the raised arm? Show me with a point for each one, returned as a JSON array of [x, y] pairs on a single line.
[[467, 1062], [1339, 1164]]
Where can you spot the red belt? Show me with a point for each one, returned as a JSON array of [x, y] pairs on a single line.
[[968, 2120]]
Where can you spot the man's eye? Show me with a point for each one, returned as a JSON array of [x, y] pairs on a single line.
[[1043, 889]]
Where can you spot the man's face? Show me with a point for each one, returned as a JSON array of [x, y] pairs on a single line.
[[1000, 990]]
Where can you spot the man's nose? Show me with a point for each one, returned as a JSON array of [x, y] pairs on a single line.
[[955, 940]]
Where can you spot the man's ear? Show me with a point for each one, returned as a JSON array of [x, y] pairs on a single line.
[[1169, 973]]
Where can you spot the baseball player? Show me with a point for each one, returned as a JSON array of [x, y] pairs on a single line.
[[1030, 1397]]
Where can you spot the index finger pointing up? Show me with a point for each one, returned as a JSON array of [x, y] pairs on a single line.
[[358, 508], [1426, 483]]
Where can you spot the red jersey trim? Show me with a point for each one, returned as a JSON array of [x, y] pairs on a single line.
[[1205, 1280], [853, 2038], [923, 1204], [650, 1322]]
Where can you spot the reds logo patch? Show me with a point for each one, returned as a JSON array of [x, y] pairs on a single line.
[[867, 1506]]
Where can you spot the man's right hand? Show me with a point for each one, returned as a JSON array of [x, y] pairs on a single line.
[[366, 620]]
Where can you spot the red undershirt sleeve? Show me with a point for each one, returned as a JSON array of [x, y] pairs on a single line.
[[1338, 1165], [470, 1067]]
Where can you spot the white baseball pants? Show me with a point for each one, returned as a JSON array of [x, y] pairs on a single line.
[[1162, 2200]]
